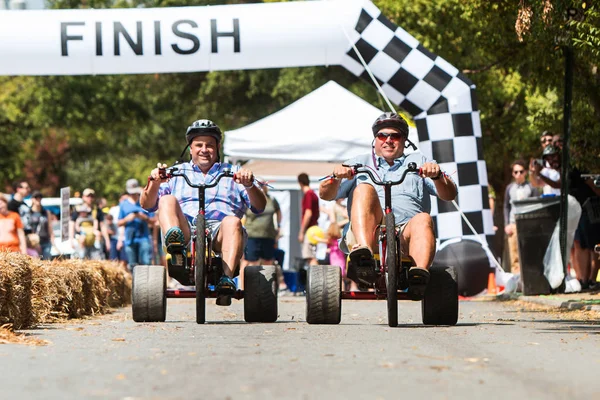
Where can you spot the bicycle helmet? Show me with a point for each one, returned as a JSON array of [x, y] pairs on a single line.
[[203, 127], [390, 120], [550, 150]]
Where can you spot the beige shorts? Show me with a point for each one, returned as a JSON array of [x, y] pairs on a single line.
[[348, 239], [308, 250]]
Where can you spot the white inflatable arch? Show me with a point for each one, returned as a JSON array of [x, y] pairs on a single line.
[[273, 35]]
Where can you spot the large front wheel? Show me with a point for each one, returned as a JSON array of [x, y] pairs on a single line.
[[391, 258], [200, 269]]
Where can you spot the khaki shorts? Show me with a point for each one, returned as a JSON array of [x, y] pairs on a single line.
[[308, 250], [348, 239]]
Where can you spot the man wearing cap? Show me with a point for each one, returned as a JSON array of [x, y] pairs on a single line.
[[225, 204], [135, 220], [89, 196], [411, 203]]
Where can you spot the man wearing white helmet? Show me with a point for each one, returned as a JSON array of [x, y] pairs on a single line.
[[226, 203]]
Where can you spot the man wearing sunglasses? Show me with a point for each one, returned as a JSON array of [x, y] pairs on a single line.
[[411, 201], [546, 139], [518, 189]]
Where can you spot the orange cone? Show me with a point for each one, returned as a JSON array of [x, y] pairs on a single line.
[[491, 288]]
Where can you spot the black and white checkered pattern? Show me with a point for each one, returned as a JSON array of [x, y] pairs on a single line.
[[443, 104]]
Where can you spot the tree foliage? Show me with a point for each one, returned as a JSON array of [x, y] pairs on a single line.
[[98, 131]]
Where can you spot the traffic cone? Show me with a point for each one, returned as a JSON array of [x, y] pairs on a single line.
[[491, 288]]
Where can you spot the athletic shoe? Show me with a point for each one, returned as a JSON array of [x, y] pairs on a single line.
[[175, 244], [226, 286]]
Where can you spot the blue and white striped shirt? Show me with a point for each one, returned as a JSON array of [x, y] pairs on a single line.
[[227, 198]]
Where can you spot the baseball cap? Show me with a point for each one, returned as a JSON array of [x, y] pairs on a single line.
[[133, 186], [88, 192], [37, 193]]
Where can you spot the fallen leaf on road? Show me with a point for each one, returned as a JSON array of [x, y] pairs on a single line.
[[191, 354], [388, 365], [119, 339], [533, 343], [473, 359], [439, 368], [163, 371], [290, 329], [120, 377], [328, 355]]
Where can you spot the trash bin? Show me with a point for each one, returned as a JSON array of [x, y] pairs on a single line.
[[536, 219]]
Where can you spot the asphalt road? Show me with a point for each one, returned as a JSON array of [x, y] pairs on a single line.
[[497, 351]]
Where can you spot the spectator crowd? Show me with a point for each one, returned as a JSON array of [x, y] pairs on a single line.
[[128, 233]]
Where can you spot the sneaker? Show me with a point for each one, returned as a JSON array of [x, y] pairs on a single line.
[[175, 244], [361, 268], [226, 286], [418, 278]]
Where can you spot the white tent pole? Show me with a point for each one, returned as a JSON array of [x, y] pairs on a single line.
[[387, 100]]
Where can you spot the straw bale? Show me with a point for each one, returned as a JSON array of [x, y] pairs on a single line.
[[34, 291], [15, 289], [118, 283]]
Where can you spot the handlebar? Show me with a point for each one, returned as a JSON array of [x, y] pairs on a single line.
[[594, 177], [170, 172], [361, 169]]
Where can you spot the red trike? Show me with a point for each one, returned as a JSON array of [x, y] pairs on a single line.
[[196, 265], [323, 290]]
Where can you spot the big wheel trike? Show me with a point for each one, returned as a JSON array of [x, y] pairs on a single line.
[[197, 265], [439, 303]]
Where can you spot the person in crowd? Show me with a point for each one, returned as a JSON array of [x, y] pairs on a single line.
[[117, 240], [86, 230], [41, 225], [263, 232], [225, 206], [557, 141], [12, 235], [309, 217], [135, 220], [411, 203], [587, 235], [88, 197], [518, 189], [17, 204], [546, 174], [546, 139], [338, 214]]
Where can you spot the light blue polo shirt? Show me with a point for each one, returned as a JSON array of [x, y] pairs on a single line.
[[408, 199]]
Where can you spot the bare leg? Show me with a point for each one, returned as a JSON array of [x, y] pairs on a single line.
[[229, 242], [595, 265], [170, 215], [419, 238], [582, 265], [366, 215]]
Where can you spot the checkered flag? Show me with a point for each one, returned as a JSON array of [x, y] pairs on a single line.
[[443, 104]]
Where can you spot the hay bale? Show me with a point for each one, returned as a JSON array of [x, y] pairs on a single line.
[[15, 290], [34, 291], [118, 283]]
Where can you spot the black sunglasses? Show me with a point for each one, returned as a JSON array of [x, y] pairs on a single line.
[[519, 172], [394, 136]]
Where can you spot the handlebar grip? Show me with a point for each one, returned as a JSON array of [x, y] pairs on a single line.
[[412, 166], [162, 173]]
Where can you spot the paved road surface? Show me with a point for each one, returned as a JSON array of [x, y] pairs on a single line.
[[498, 351]]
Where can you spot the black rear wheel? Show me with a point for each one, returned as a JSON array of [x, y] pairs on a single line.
[[440, 304], [391, 258], [200, 269]]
